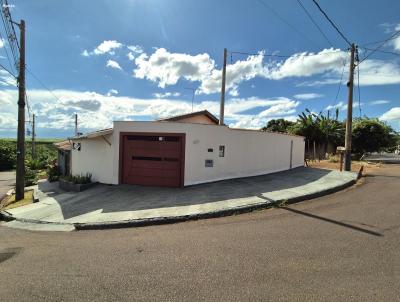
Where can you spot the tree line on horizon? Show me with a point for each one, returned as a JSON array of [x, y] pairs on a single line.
[[328, 132]]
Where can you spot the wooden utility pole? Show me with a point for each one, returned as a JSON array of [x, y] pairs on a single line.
[[20, 173], [76, 124], [222, 105], [33, 137], [349, 120]]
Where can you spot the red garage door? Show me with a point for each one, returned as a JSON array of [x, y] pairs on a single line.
[[155, 160]]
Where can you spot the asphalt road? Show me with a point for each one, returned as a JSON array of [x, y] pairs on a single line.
[[342, 247], [7, 181]]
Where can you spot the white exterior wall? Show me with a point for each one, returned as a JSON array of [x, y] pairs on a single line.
[[95, 157], [247, 153]]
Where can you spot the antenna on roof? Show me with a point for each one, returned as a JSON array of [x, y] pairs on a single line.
[[193, 92]]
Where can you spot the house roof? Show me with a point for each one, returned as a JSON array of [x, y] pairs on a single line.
[[193, 114], [94, 134], [64, 145]]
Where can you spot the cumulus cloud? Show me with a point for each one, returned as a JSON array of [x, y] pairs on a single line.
[[105, 47], [167, 68], [166, 94], [112, 92], [113, 64], [308, 96], [6, 79], [379, 102], [396, 41], [342, 106], [97, 110], [1, 43], [392, 115]]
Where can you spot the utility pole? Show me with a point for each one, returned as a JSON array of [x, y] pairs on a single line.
[[222, 105], [349, 121], [33, 137], [76, 124], [20, 174]]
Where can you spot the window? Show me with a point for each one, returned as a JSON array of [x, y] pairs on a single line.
[[209, 163], [210, 150], [221, 151]]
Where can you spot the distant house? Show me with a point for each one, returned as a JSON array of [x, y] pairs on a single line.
[[182, 150], [64, 157]]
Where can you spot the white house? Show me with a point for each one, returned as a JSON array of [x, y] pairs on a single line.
[[181, 151]]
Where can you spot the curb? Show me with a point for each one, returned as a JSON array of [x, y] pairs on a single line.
[[175, 219]]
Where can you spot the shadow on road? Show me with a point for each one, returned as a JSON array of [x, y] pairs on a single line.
[[353, 227]]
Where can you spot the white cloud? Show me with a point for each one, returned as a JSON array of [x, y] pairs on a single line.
[[6, 79], [166, 94], [167, 68], [392, 115], [135, 49], [343, 106], [1, 43], [309, 64], [97, 111], [308, 96], [379, 102], [396, 41], [105, 47], [113, 64], [130, 56], [112, 92]]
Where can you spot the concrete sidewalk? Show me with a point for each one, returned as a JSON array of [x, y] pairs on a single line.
[[106, 206]]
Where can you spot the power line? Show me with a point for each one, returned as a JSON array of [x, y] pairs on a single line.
[[5, 50], [315, 23], [283, 56], [380, 41], [393, 36], [340, 83], [332, 23], [382, 51], [358, 87], [286, 22], [2, 66], [41, 83]]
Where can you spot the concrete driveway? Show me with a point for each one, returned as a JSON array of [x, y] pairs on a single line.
[[105, 205], [7, 182]]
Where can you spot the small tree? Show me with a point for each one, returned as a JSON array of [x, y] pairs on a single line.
[[278, 125], [372, 135]]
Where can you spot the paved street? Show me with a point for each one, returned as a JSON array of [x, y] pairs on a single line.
[[7, 181], [342, 247]]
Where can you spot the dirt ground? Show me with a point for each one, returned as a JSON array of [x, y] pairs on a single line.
[[355, 165]]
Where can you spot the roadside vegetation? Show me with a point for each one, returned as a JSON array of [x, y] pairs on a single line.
[[327, 132], [35, 168]]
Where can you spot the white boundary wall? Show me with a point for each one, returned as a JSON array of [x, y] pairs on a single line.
[[247, 152]]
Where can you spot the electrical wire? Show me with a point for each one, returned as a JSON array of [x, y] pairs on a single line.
[[7, 55], [2, 66], [358, 87], [41, 83], [340, 84], [315, 23], [380, 41], [382, 51], [287, 23], [393, 36], [281, 56], [332, 23]]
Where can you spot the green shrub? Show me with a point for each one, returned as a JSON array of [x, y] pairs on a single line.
[[79, 179], [333, 158], [52, 173], [34, 164], [30, 177], [8, 155]]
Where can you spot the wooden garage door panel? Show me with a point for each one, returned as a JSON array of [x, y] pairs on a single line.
[[150, 161]]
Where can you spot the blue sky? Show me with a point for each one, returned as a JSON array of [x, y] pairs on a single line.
[[134, 59]]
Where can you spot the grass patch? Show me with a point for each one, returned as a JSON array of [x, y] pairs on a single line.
[[10, 203]]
